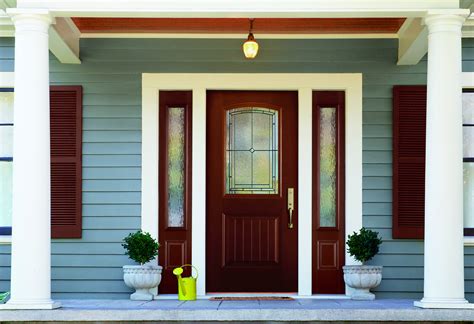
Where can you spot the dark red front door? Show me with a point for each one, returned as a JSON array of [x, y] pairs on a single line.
[[251, 172]]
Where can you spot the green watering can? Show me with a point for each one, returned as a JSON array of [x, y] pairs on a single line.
[[186, 286]]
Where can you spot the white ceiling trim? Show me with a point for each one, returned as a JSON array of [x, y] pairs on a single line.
[[241, 8]]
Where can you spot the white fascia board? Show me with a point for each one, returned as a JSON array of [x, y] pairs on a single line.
[[412, 42], [64, 41], [241, 8]]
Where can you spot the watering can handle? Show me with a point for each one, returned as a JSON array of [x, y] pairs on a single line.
[[190, 265]]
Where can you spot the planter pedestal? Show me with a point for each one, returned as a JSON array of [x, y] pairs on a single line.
[[362, 278], [142, 279]]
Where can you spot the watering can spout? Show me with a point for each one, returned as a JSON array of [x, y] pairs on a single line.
[[186, 286]]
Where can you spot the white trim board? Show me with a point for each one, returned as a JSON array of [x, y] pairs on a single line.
[[304, 83], [242, 8]]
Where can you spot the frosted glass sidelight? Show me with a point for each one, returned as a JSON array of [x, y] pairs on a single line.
[[327, 167], [176, 159], [469, 195], [5, 194], [252, 151]]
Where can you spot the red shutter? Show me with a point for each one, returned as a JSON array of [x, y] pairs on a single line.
[[66, 161], [409, 141]]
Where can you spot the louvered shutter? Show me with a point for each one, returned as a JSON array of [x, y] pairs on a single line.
[[409, 142], [66, 161]]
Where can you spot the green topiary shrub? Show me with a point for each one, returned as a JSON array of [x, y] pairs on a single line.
[[364, 245], [140, 247]]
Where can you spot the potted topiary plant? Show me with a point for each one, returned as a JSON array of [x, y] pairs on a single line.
[[363, 246], [141, 248]]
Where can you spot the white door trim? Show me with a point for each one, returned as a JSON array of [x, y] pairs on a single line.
[[304, 83]]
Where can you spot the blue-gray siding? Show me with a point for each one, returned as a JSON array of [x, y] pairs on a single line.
[[111, 76]]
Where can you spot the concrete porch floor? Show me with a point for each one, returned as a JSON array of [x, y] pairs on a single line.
[[208, 310]]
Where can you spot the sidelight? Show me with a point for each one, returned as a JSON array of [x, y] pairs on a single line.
[[176, 159], [327, 171]]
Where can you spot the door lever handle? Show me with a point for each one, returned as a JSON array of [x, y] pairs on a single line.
[[290, 224], [291, 206]]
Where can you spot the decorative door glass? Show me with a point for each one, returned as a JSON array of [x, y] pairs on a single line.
[[176, 148], [252, 151], [327, 171]]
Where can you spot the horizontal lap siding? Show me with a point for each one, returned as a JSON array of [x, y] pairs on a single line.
[[111, 78], [7, 54], [92, 267]]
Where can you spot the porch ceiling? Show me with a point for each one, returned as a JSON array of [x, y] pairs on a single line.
[[241, 25]]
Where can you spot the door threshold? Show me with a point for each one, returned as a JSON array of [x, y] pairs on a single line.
[[292, 295]]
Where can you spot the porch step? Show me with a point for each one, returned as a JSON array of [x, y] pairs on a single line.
[[262, 311]]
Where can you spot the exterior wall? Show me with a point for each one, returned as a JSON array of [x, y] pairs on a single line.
[[111, 77]]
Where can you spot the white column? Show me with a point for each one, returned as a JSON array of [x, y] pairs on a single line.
[[444, 250], [31, 224]]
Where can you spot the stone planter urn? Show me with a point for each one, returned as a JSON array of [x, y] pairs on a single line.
[[142, 279], [362, 278]]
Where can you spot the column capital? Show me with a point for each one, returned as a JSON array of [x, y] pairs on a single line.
[[438, 21], [37, 20]]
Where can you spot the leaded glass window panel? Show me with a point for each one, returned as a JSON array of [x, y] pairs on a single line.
[[252, 151], [176, 151], [327, 171]]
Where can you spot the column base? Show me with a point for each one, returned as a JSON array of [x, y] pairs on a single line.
[[460, 303], [30, 304]]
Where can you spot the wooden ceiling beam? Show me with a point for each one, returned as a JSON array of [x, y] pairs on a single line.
[[240, 25]]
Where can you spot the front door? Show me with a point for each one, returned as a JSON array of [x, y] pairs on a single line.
[[251, 192]]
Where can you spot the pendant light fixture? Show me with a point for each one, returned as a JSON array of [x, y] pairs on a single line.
[[250, 46]]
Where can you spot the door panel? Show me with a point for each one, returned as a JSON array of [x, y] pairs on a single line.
[[251, 163], [328, 192], [250, 239], [174, 185]]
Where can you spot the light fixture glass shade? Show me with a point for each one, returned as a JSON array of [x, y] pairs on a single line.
[[250, 47]]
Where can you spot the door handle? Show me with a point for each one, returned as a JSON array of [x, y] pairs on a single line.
[[291, 206]]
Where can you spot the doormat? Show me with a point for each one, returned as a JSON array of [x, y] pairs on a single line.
[[250, 298]]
